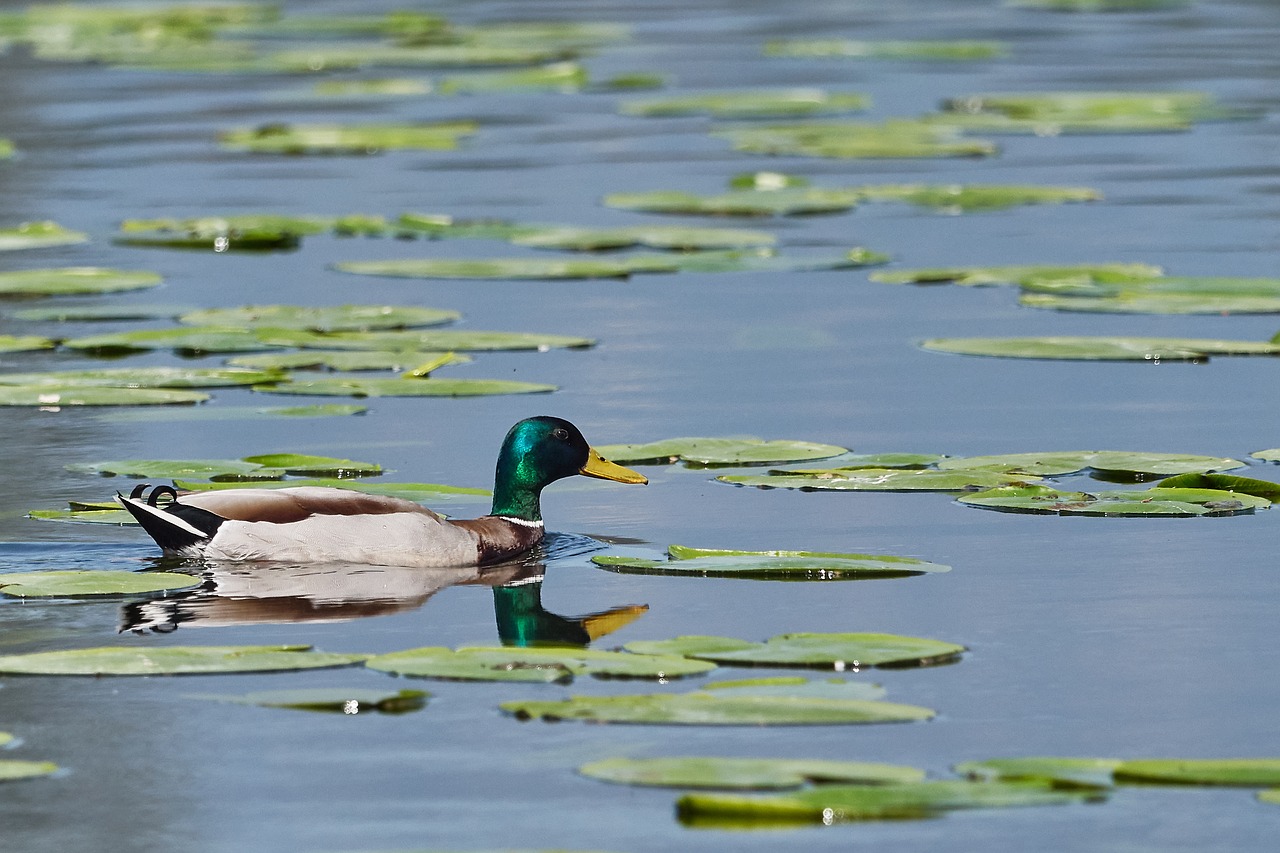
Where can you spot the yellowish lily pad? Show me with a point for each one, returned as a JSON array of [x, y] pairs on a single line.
[[71, 584], [172, 660], [743, 773]]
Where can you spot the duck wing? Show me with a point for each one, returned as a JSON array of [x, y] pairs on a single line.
[[297, 503]]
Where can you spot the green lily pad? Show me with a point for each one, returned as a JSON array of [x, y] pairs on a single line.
[[172, 660], [351, 386], [556, 76], [857, 140], [876, 480], [96, 313], [494, 268], [769, 565], [6, 145], [346, 360], [192, 341], [1151, 502], [349, 701], [536, 664], [763, 103], [797, 687], [146, 377], [719, 451], [337, 318], [1021, 275], [5, 739], [1109, 461], [25, 343], [66, 584], [964, 197], [927, 50], [56, 396], [38, 235], [1270, 796], [323, 466], [652, 236], [168, 469], [1083, 348], [839, 651], [115, 517], [354, 56], [712, 708], [1225, 482], [1080, 108], [1163, 295], [1270, 455], [1060, 772], [440, 225], [889, 460], [749, 773], [396, 87], [828, 804], [420, 492], [74, 281], [1250, 772], [347, 139], [790, 201], [253, 232], [12, 771]]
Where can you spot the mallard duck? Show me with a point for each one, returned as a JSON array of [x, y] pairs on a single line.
[[311, 524]]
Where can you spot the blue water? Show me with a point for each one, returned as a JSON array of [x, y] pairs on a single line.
[[1092, 637]]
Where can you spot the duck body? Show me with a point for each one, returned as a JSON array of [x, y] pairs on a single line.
[[329, 525]]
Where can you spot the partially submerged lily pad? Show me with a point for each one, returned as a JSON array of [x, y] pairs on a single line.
[[347, 139], [1176, 502], [253, 232], [652, 236], [1083, 348], [74, 281], [68, 584], [743, 773], [353, 386], [347, 360], [172, 660], [349, 701], [1160, 295], [303, 464], [1060, 772], [717, 708], [38, 235], [719, 451], [82, 515], [191, 340], [835, 651], [12, 770], [336, 318], [967, 197], [1111, 462], [564, 76], [770, 565], [1112, 110], [766, 103], [537, 664], [446, 340], [1104, 772], [789, 201], [1021, 274], [877, 480], [1225, 482], [51, 396], [155, 376], [168, 469], [899, 138], [25, 343]]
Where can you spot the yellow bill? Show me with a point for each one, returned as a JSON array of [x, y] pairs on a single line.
[[598, 466]]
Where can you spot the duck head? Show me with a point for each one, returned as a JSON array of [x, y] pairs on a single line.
[[537, 452]]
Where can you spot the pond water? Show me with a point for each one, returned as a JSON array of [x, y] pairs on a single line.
[[1116, 637]]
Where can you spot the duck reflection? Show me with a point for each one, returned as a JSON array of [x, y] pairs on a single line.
[[257, 593]]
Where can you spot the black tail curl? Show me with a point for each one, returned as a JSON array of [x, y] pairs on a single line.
[[174, 526]]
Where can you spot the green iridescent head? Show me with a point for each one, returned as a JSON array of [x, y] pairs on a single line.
[[539, 451]]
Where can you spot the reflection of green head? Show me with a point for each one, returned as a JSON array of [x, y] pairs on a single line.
[[539, 451], [523, 621]]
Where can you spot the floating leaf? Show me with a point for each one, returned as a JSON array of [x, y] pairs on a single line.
[[876, 480], [653, 236], [764, 103], [193, 340], [1061, 772], [1271, 455], [538, 664], [1270, 796], [346, 360], [1114, 462], [1082, 348], [349, 701], [980, 276], [168, 469], [838, 651], [1164, 295], [253, 232], [928, 50], [427, 339], [1252, 772], [172, 660], [6, 145], [556, 77], [719, 451], [1078, 108], [146, 377], [798, 687], [24, 343], [96, 313], [81, 516], [1157, 501], [66, 584], [351, 386], [336, 318], [711, 708], [496, 268], [353, 56], [38, 235], [12, 771], [770, 565], [439, 225], [5, 739], [791, 201], [56, 396], [857, 140], [74, 281], [397, 87], [961, 197], [347, 139], [750, 773], [1225, 482], [889, 460], [827, 804], [322, 466]]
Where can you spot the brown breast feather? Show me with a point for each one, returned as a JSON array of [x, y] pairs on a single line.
[[499, 538], [283, 506]]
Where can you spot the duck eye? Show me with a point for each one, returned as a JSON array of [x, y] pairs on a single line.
[[560, 433]]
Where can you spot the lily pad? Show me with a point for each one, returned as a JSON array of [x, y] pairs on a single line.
[[351, 386], [719, 451], [1060, 772], [765, 103], [1225, 482], [1110, 108], [496, 268], [652, 236], [770, 565], [192, 341], [713, 708], [1270, 455], [396, 87], [1163, 295], [25, 343], [981, 276], [790, 201], [172, 660], [56, 396], [798, 687], [347, 139], [1250, 772], [252, 232], [67, 584], [748, 773], [877, 480], [536, 664], [555, 76], [322, 466], [96, 313], [1109, 461], [168, 469], [337, 318], [6, 145], [347, 360], [828, 804], [926, 50], [966, 197], [74, 281], [115, 517], [146, 377], [38, 235], [1083, 348], [837, 651], [1176, 502], [12, 770], [349, 701], [858, 140]]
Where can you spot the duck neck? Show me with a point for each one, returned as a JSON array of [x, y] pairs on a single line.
[[515, 498]]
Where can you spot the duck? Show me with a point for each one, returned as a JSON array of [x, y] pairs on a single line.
[[321, 524]]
